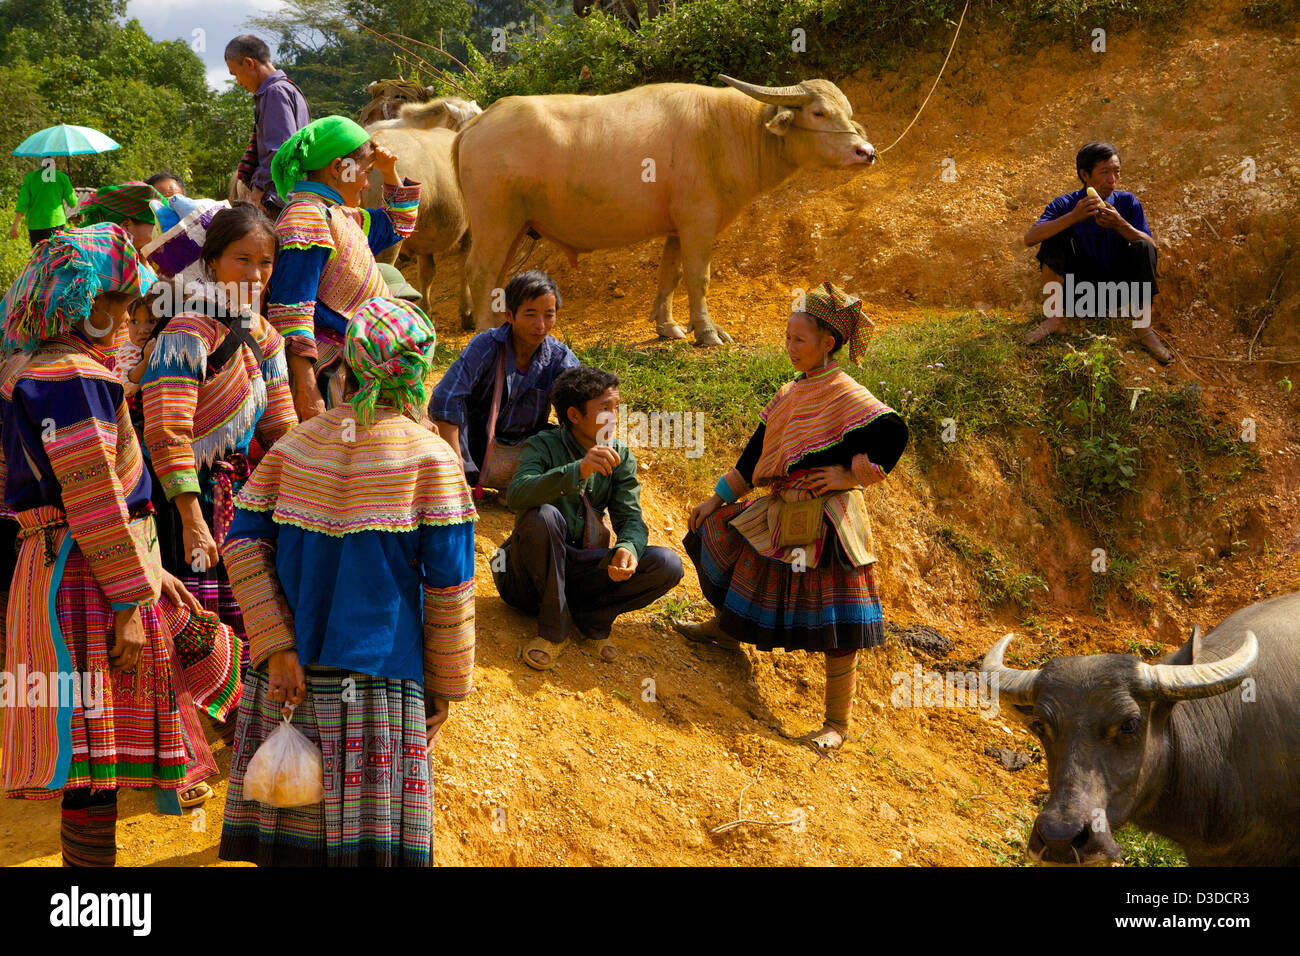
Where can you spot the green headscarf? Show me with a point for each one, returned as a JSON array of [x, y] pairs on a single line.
[[314, 146], [119, 203]]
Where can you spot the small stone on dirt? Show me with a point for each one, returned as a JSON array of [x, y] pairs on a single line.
[[1011, 759], [922, 637]]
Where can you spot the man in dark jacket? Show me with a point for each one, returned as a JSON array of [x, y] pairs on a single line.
[[555, 564], [1097, 256], [279, 111]]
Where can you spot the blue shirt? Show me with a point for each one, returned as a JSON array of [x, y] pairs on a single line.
[[463, 396], [1098, 243], [373, 628], [279, 111]]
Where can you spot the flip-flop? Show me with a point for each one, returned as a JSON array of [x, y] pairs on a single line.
[[696, 634], [203, 791], [812, 739], [551, 649]]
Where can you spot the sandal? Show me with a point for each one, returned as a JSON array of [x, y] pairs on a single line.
[[195, 795], [604, 645], [1044, 329], [822, 741], [706, 634], [541, 645], [1151, 342]]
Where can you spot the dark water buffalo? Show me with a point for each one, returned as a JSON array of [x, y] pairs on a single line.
[[1203, 748]]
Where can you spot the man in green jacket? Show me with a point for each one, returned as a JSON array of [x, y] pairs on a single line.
[[41, 198], [557, 566]]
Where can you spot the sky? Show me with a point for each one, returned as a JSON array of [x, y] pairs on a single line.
[[220, 20]]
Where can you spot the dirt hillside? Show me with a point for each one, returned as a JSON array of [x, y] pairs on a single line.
[[577, 766]]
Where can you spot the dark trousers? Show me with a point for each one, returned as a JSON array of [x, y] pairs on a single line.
[[39, 235], [570, 587], [1135, 263]]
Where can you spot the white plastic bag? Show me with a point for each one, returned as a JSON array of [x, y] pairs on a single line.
[[286, 771]]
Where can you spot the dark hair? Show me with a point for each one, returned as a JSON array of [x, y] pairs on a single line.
[[1091, 155], [531, 285], [231, 225], [247, 45], [827, 328], [162, 174], [575, 387]]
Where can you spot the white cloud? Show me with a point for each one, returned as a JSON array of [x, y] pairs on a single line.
[[215, 23]]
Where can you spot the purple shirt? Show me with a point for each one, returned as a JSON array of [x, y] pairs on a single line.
[[1097, 242], [279, 111]]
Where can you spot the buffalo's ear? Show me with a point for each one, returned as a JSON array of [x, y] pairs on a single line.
[[1024, 711], [779, 123], [1190, 652]]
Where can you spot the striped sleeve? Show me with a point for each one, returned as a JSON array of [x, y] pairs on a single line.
[[170, 391], [865, 471], [448, 552], [306, 243], [401, 206], [280, 415], [250, 563], [82, 450]]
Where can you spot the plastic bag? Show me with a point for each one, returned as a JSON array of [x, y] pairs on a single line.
[[286, 771]]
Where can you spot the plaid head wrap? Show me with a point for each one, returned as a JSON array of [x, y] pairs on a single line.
[[58, 287], [389, 347], [117, 203], [314, 146], [836, 309]]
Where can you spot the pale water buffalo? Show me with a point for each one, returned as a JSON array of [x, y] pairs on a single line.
[[387, 97], [669, 159], [421, 137], [1203, 748]]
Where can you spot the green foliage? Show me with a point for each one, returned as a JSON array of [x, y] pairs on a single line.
[[321, 44], [730, 386], [13, 252], [1147, 849], [996, 581], [753, 39], [966, 368], [70, 61], [1101, 427]]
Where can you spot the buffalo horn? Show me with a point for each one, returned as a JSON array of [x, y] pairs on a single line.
[[1013, 685], [1188, 681], [776, 95]]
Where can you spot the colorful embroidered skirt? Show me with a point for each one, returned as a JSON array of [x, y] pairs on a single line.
[[378, 808], [136, 737], [765, 602], [212, 587]]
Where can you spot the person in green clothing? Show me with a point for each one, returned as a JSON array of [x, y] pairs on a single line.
[[558, 562], [41, 198]]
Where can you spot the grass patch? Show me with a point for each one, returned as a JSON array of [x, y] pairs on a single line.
[[996, 581], [1147, 849]]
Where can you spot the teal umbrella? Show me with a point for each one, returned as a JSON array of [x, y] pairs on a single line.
[[65, 140]]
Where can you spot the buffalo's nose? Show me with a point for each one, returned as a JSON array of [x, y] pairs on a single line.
[[867, 152], [1060, 833]]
